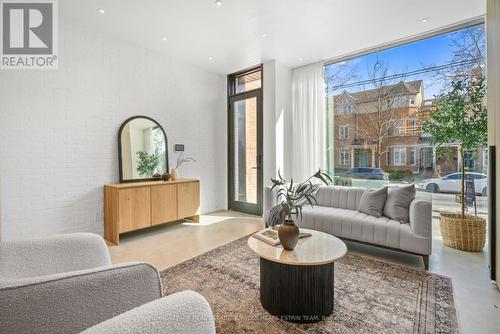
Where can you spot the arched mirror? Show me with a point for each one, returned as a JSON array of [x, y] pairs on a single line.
[[142, 149]]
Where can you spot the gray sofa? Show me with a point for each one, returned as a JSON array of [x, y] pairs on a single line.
[[67, 284], [337, 214]]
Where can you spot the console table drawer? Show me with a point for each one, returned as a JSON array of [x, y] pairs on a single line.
[[163, 204], [188, 199], [134, 209]]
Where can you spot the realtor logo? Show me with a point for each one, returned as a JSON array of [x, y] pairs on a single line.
[[29, 34]]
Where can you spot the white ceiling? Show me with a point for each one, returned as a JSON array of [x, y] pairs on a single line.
[[231, 34]]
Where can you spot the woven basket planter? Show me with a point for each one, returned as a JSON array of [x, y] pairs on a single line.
[[468, 234]]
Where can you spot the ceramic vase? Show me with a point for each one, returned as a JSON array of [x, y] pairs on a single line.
[[288, 234]]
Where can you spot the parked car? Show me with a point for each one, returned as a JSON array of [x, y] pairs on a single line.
[[367, 173], [451, 183]]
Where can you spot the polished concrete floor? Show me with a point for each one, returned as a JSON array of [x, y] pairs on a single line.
[[476, 298]]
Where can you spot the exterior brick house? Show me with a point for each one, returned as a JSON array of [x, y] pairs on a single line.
[[382, 128]]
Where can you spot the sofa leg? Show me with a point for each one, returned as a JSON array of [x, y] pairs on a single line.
[[426, 261]]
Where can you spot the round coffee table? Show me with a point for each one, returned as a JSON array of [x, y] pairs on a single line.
[[298, 285]]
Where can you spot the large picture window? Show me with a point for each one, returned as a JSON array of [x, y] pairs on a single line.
[[377, 104]]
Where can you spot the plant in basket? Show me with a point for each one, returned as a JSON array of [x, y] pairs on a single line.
[[461, 117]]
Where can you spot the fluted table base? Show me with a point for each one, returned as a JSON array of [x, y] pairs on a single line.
[[297, 293]]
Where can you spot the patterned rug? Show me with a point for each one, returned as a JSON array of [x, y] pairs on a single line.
[[370, 296]]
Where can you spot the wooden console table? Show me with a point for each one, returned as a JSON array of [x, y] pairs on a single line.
[[132, 206]]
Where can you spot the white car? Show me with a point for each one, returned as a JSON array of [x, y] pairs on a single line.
[[451, 183]]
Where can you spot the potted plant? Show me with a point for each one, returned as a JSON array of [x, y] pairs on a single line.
[[292, 197], [461, 117]]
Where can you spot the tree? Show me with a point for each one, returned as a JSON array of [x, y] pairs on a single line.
[[381, 114], [461, 116], [468, 56], [147, 163]]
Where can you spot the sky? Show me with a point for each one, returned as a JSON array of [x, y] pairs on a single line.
[[413, 56]]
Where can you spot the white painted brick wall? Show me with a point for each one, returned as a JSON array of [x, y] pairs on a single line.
[[59, 129]]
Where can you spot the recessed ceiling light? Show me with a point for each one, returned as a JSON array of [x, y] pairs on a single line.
[[210, 58], [425, 19], [218, 3], [164, 38], [264, 35], [300, 59], [101, 11]]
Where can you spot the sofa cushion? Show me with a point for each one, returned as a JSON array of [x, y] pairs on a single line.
[[397, 205], [339, 197], [372, 202], [353, 225]]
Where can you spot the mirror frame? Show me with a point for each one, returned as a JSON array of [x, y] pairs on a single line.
[[120, 162]]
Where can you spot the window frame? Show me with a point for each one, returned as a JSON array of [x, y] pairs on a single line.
[[342, 152], [399, 153], [412, 156], [343, 129], [232, 80], [346, 106], [412, 128]]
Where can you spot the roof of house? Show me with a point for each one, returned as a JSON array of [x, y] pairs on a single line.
[[410, 87]]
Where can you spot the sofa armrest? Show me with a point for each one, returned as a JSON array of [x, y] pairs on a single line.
[[52, 255], [183, 312], [421, 216], [269, 199], [72, 302]]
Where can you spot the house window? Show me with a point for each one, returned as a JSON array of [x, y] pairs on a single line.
[[395, 129], [399, 101], [412, 126], [412, 101], [346, 106], [470, 159], [344, 156], [344, 132], [413, 156], [399, 156]]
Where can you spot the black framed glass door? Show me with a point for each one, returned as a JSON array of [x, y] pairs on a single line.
[[245, 152]]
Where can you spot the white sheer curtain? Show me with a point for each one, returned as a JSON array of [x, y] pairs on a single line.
[[308, 121]]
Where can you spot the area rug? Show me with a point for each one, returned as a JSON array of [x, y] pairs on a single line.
[[371, 296]]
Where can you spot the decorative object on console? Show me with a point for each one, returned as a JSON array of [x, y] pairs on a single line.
[[166, 177], [142, 150], [180, 161], [292, 197]]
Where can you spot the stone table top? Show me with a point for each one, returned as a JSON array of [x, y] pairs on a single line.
[[320, 248]]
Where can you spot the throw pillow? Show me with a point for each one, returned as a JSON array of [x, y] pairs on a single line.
[[372, 202], [397, 205]]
